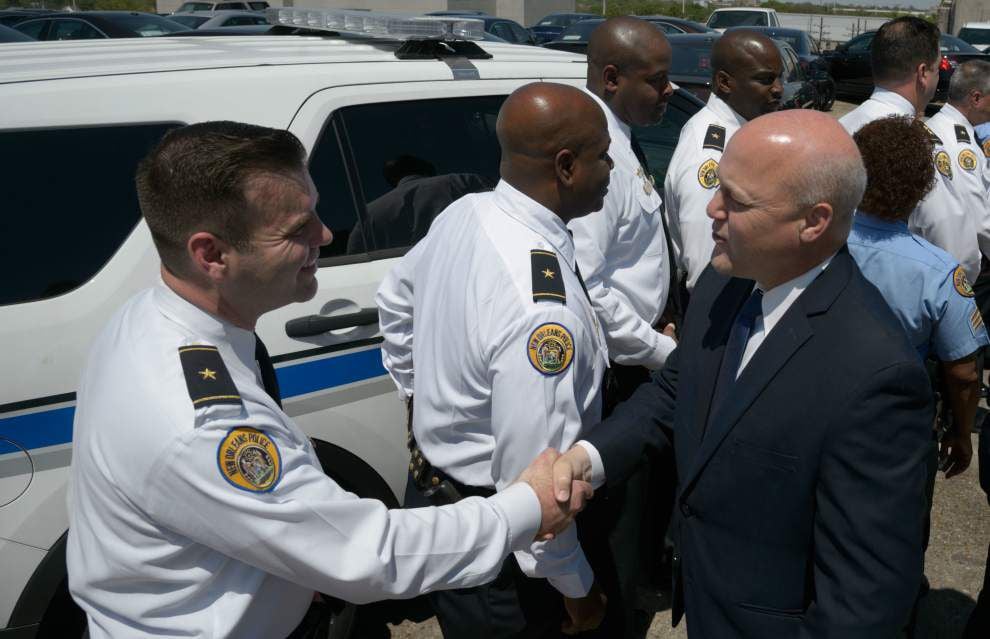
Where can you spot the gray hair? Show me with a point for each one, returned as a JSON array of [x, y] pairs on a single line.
[[972, 75], [839, 180]]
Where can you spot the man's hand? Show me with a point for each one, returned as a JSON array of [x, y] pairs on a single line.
[[956, 448], [571, 467], [557, 514], [670, 331], [585, 613]]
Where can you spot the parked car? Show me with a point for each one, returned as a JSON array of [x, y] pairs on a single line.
[[96, 25], [722, 19], [10, 17], [12, 35], [976, 34], [849, 65], [551, 26], [677, 25], [814, 65], [508, 30], [219, 19], [224, 5]]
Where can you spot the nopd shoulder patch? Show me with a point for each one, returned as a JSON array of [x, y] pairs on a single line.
[[961, 283], [714, 138], [550, 348], [206, 376], [967, 160], [986, 147], [708, 174], [962, 135], [548, 283], [248, 459], [943, 164]]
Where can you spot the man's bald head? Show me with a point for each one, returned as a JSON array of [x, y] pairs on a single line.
[[746, 69], [554, 141], [772, 229], [628, 63]]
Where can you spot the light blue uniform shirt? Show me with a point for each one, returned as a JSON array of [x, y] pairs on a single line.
[[923, 285]]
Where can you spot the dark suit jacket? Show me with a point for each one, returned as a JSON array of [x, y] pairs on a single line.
[[800, 499]]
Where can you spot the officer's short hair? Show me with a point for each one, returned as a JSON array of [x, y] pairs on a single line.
[[196, 179], [897, 152], [972, 75], [900, 46]]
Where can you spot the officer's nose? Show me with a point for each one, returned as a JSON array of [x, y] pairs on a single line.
[[326, 236]]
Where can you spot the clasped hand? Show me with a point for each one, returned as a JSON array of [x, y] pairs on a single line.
[[557, 514]]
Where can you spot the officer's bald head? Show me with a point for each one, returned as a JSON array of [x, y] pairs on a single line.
[[746, 70], [554, 141], [628, 63]]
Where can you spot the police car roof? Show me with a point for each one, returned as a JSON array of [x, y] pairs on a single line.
[[32, 61]]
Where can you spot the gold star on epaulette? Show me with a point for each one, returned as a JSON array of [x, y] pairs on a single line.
[[547, 273], [716, 135], [208, 374]]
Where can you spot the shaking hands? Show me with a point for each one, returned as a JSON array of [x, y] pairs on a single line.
[[558, 513]]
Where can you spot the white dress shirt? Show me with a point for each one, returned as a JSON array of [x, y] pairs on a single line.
[[179, 524], [881, 104], [775, 303], [955, 216], [688, 187], [484, 406], [622, 253]]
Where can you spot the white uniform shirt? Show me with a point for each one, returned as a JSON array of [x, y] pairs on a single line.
[[188, 521], [955, 216], [622, 254], [485, 402], [881, 104], [692, 180]]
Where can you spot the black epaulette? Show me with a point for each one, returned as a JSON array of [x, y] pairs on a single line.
[[962, 135], [937, 141], [206, 375], [714, 138], [548, 283]]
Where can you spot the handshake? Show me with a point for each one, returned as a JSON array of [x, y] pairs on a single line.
[[562, 492]]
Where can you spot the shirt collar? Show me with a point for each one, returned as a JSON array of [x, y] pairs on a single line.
[[862, 219], [615, 125], [204, 325], [778, 299], [722, 109], [898, 102], [956, 116], [537, 218]]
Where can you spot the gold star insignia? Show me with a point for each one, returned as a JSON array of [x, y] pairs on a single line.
[[715, 135], [208, 374], [547, 273]]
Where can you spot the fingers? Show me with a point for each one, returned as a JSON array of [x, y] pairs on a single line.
[[563, 476], [581, 492], [670, 331]]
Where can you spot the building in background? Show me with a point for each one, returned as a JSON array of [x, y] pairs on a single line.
[[953, 14]]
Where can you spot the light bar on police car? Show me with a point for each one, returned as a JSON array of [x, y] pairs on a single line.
[[379, 25]]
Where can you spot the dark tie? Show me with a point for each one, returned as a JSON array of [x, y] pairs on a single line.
[[735, 346], [267, 370]]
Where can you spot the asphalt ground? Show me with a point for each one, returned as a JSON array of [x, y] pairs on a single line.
[[954, 563]]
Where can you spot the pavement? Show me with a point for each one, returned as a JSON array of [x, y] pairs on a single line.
[[954, 563]]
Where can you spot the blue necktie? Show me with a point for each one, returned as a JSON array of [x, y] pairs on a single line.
[[735, 346]]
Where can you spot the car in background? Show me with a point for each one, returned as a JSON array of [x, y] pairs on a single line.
[[810, 58], [508, 30], [225, 5], [10, 17], [670, 24], [976, 34], [722, 19], [12, 35], [551, 26], [219, 19], [849, 65], [97, 25]]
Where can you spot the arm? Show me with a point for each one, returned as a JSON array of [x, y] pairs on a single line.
[[395, 298], [688, 195], [631, 339], [962, 387], [870, 501]]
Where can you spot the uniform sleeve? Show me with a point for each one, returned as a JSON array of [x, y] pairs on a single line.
[[959, 330], [942, 219], [631, 339], [544, 357], [690, 185], [395, 319], [257, 495]]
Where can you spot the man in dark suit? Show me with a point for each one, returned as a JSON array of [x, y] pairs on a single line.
[[799, 413]]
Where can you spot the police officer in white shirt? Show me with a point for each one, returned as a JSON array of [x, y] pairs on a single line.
[[957, 218], [197, 507], [746, 70], [507, 356]]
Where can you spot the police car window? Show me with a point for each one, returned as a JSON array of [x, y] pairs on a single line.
[[413, 159], [659, 141], [336, 206], [69, 200]]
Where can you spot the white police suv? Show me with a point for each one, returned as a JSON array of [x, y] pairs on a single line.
[[376, 99]]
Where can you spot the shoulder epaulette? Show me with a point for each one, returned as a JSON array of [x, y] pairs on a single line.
[[548, 283], [207, 377], [932, 136], [714, 138], [962, 135]]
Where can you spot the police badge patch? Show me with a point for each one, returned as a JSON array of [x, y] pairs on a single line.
[[961, 283], [986, 147], [967, 160], [708, 174], [943, 164], [249, 460], [550, 348]]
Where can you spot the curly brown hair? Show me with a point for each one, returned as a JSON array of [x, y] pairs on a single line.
[[897, 152]]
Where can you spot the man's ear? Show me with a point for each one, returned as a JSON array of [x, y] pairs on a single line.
[[610, 78], [817, 221], [722, 82], [208, 255], [563, 164]]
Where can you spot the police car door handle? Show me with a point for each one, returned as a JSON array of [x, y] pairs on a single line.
[[311, 325]]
